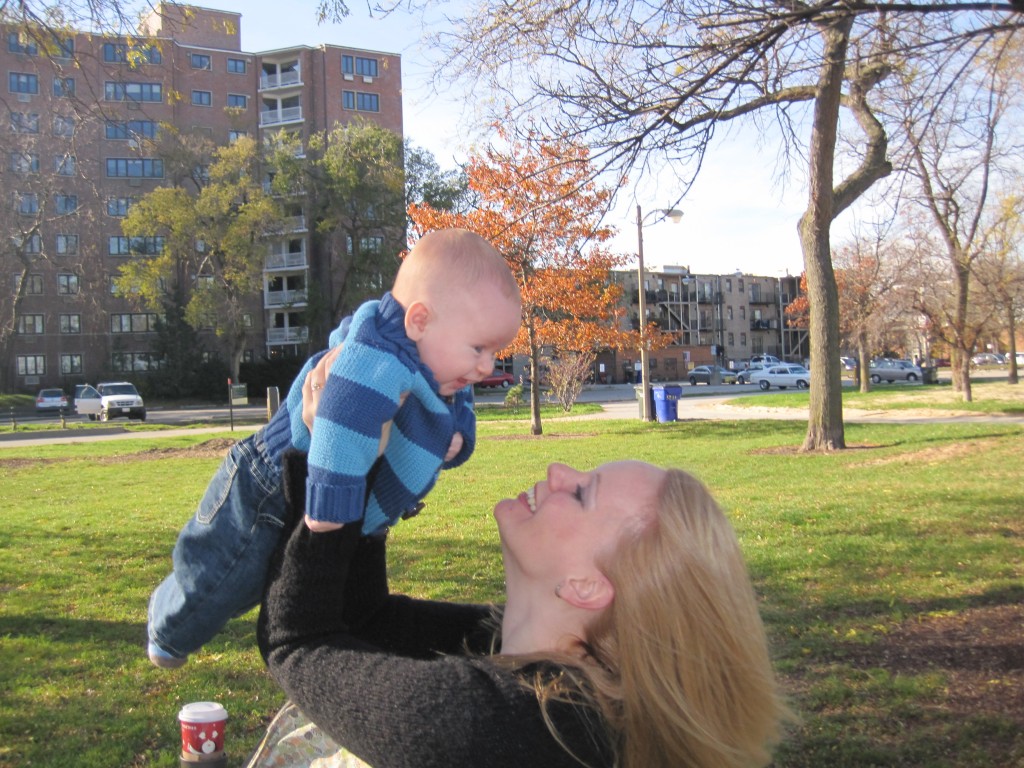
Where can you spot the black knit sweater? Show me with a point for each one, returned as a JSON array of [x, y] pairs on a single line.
[[388, 678]]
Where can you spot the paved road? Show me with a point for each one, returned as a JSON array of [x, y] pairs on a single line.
[[619, 401]]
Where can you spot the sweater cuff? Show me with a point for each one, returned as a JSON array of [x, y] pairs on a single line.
[[334, 504]]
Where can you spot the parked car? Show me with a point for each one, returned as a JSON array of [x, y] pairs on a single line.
[[497, 379], [703, 374], [743, 377], [848, 363], [988, 358], [781, 376], [894, 370], [764, 360], [109, 400], [51, 400]]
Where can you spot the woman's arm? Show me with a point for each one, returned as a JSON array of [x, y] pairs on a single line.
[[382, 674]]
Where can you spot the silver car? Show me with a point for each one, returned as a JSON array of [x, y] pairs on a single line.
[[893, 370]]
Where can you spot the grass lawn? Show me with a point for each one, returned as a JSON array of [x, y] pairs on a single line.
[[892, 577]]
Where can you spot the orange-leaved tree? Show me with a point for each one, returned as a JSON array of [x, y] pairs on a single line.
[[541, 210]]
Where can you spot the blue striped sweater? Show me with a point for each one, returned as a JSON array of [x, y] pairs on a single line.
[[376, 366]]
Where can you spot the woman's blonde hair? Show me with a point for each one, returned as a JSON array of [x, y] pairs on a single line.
[[678, 665]]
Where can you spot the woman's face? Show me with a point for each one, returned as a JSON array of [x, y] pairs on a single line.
[[560, 527]]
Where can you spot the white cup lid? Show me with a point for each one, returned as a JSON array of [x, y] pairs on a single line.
[[203, 712]]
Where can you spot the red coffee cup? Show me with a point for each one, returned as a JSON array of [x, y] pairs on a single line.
[[202, 734]]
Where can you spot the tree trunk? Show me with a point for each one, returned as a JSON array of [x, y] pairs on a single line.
[[1011, 326], [535, 425], [963, 276], [825, 422], [863, 363]]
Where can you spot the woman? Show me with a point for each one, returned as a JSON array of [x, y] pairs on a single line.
[[630, 636]]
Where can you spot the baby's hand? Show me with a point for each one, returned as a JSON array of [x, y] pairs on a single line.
[[455, 447], [318, 526]]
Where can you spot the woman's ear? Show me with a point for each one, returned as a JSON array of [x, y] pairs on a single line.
[[593, 593], [417, 316]]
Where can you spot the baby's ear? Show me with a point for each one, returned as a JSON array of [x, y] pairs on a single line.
[[416, 318]]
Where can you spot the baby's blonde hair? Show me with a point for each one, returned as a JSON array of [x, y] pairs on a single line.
[[448, 260]]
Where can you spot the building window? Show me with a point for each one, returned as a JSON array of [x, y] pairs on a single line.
[[728, 313], [743, 313], [64, 165], [247, 320], [22, 82], [118, 245], [63, 126], [238, 100], [135, 167], [33, 244], [236, 66], [33, 285], [24, 162], [739, 285], [145, 92], [202, 98], [24, 122], [67, 245], [67, 284], [120, 53], [63, 87], [358, 65], [743, 339], [70, 323], [133, 322], [30, 325], [31, 365], [26, 203], [361, 102], [65, 204], [17, 44], [118, 206], [199, 61], [130, 129], [731, 339], [234, 136], [125, 362], [248, 356], [70, 363]]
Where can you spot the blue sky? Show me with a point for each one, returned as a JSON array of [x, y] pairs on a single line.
[[736, 217]]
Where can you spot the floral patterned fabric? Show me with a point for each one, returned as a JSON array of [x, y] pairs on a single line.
[[292, 741]]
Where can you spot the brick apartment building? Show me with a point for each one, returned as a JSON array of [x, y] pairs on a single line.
[[72, 164], [723, 319]]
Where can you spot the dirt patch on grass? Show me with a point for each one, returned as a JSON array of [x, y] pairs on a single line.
[[933, 454], [210, 449], [979, 651], [794, 450]]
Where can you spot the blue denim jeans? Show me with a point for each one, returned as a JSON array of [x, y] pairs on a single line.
[[223, 552]]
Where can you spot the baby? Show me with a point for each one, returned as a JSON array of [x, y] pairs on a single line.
[[398, 400]]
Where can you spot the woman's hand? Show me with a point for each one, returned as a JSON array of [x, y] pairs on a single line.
[[314, 384]]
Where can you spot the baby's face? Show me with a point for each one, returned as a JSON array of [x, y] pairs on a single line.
[[464, 334]]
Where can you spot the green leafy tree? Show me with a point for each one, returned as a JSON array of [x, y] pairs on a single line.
[[355, 185], [212, 254]]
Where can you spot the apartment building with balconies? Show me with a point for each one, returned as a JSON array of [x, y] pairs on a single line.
[[74, 162], [723, 319]]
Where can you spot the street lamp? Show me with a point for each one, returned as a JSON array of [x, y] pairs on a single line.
[[645, 363]]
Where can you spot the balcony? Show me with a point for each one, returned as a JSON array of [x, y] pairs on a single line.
[[295, 335], [279, 257], [286, 298], [281, 80], [764, 325], [281, 116]]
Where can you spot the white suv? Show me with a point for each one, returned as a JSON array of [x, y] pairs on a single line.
[[110, 400]]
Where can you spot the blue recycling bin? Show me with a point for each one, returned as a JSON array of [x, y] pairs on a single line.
[[666, 402]]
